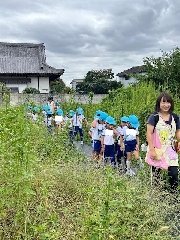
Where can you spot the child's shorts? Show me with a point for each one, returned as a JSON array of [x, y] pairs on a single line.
[[97, 145], [130, 146]]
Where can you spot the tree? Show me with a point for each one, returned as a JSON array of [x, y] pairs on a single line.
[[96, 75], [100, 87], [98, 82], [164, 71], [57, 86], [3, 87]]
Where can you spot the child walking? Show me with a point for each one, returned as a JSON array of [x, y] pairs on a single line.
[[122, 127], [130, 136], [77, 122], [107, 140], [97, 129]]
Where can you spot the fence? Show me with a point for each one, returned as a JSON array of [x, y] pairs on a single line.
[[40, 99]]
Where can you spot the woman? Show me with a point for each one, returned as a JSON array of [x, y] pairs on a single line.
[[162, 129]]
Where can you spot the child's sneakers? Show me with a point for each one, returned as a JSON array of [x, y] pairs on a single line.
[[82, 142], [130, 172]]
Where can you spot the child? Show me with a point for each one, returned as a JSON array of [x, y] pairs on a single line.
[[48, 121], [29, 112], [35, 114], [59, 120], [107, 140], [57, 106], [45, 108], [123, 125], [77, 121], [130, 136], [68, 122], [97, 129]]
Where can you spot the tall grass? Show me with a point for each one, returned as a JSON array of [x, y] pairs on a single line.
[[50, 191]]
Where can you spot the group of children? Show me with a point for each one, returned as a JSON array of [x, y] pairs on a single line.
[[53, 117], [108, 142], [115, 143]]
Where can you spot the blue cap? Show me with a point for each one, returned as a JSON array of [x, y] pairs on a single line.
[[110, 120], [103, 116], [36, 109], [124, 119], [79, 110], [49, 113], [46, 108], [98, 112], [60, 112], [133, 121], [29, 107], [71, 113]]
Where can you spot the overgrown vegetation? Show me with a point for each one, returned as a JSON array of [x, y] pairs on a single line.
[[50, 191]]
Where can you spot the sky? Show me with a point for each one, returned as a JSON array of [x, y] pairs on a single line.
[[84, 35]]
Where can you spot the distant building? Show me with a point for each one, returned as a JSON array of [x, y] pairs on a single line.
[[75, 82], [125, 77], [24, 65]]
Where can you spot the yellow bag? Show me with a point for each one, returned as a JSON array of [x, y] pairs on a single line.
[[158, 153]]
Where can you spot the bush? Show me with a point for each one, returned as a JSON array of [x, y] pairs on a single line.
[[30, 90]]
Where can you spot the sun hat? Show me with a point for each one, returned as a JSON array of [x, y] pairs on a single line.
[[110, 120], [49, 113], [29, 107], [103, 116], [98, 112], [133, 121], [36, 109], [79, 109], [124, 119], [60, 112], [71, 113]]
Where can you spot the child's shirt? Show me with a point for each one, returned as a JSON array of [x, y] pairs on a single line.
[[34, 117], [108, 136], [130, 134], [97, 131], [48, 121], [119, 130], [77, 120], [58, 119], [44, 116], [68, 121]]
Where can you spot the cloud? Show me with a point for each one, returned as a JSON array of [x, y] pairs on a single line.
[[84, 35]]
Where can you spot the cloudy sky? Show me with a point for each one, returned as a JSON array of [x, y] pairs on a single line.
[[81, 35]]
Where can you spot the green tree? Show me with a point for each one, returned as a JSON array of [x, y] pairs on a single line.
[[98, 82], [57, 86], [164, 71], [96, 75], [30, 90]]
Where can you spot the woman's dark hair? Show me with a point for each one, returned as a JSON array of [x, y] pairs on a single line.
[[166, 98]]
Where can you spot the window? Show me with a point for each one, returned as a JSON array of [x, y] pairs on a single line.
[[14, 89]]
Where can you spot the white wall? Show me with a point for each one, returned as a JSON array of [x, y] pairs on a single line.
[[33, 83], [21, 87], [44, 84], [127, 82]]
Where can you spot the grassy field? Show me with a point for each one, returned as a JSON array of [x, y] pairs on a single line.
[[50, 191]]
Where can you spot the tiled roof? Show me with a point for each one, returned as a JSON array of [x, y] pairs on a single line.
[[25, 58], [133, 70]]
